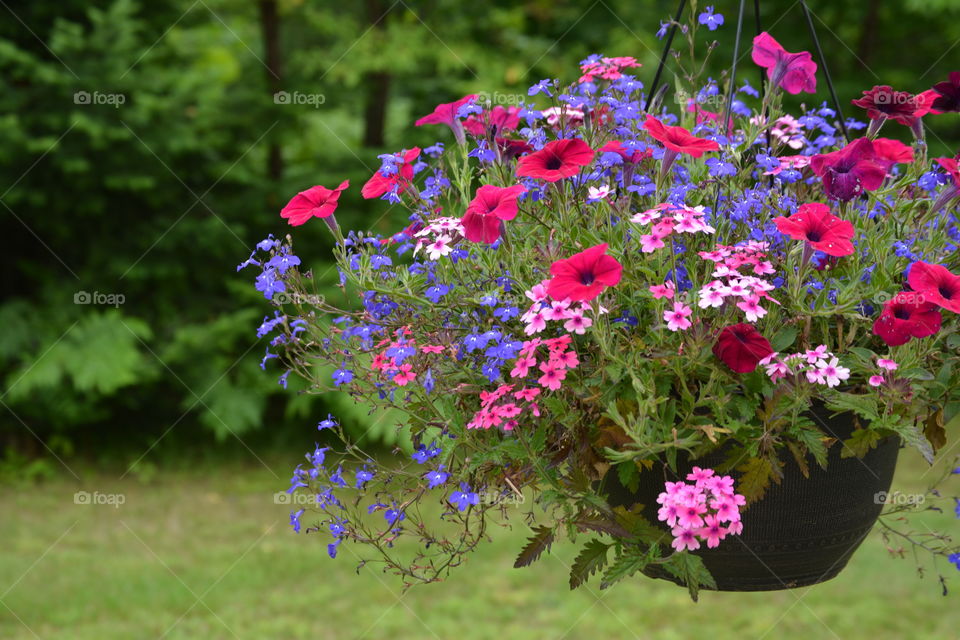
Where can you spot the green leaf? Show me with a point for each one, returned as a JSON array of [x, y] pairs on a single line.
[[629, 475], [917, 373], [592, 558], [860, 443], [691, 570], [783, 338], [630, 560], [540, 541], [755, 479], [863, 405]]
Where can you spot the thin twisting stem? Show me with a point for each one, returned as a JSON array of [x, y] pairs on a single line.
[[826, 71], [663, 56]]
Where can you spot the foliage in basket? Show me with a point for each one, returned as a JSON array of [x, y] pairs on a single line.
[[585, 286]]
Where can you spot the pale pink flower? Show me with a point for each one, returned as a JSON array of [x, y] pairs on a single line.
[[577, 323], [832, 372], [650, 243], [817, 354], [752, 308], [677, 319], [889, 365], [665, 290], [439, 248], [684, 539], [598, 193], [876, 381]]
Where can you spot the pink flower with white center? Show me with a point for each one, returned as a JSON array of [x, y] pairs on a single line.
[[598, 193], [577, 323], [815, 375], [815, 355], [710, 297], [690, 515], [665, 290], [677, 318], [663, 228], [571, 116], [650, 243], [552, 377], [889, 365], [751, 307], [737, 288], [723, 271], [876, 381], [522, 366], [712, 531], [833, 373], [684, 539], [777, 370], [439, 248], [557, 311], [763, 268], [535, 323], [646, 217]]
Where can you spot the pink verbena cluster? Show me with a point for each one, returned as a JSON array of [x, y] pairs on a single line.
[[707, 510], [730, 282], [389, 363], [605, 68], [438, 237], [544, 309], [819, 366], [554, 369], [668, 219], [502, 406]]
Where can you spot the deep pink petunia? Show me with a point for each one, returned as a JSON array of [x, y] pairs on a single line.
[[445, 113], [936, 284], [850, 171], [557, 160], [678, 139], [485, 213], [882, 102], [792, 72], [380, 183], [741, 347], [316, 201], [890, 152], [582, 276], [947, 94], [950, 165], [813, 223], [907, 315], [498, 120]]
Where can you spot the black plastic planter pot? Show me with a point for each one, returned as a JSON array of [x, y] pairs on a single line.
[[802, 532]]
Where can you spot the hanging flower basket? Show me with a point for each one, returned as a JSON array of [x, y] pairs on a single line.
[[727, 315]]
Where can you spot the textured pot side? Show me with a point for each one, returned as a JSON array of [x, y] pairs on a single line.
[[802, 532]]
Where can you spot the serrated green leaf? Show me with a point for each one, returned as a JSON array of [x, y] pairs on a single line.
[[783, 338], [691, 570], [755, 478], [860, 443], [591, 559], [538, 543], [630, 560]]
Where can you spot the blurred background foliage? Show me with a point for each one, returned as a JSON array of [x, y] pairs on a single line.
[[159, 198]]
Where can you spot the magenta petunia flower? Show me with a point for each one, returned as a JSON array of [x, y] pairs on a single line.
[[741, 347], [951, 166], [890, 152], [316, 201], [498, 120], [582, 276], [446, 113], [947, 94], [380, 183], [488, 209], [850, 171], [678, 139], [935, 284], [813, 223], [907, 315], [883, 102], [792, 72], [557, 160]]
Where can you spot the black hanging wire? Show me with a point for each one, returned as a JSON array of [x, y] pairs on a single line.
[[731, 89], [666, 51], [826, 71], [763, 82]]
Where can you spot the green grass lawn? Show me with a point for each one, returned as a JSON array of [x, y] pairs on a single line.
[[206, 553]]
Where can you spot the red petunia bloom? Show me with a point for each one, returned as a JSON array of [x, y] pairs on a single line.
[[510, 148], [582, 276], [936, 285], [850, 171], [498, 119], [380, 183], [628, 155], [890, 152], [884, 102], [557, 160], [907, 315], [316, 201], [482, 221], [446, 113], [741, 347], [948, 94], [678, 139], [813, 223], [792, 72], [950, 166]]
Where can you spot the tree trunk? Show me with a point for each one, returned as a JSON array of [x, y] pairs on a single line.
[[376, 85], [270, 25]]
